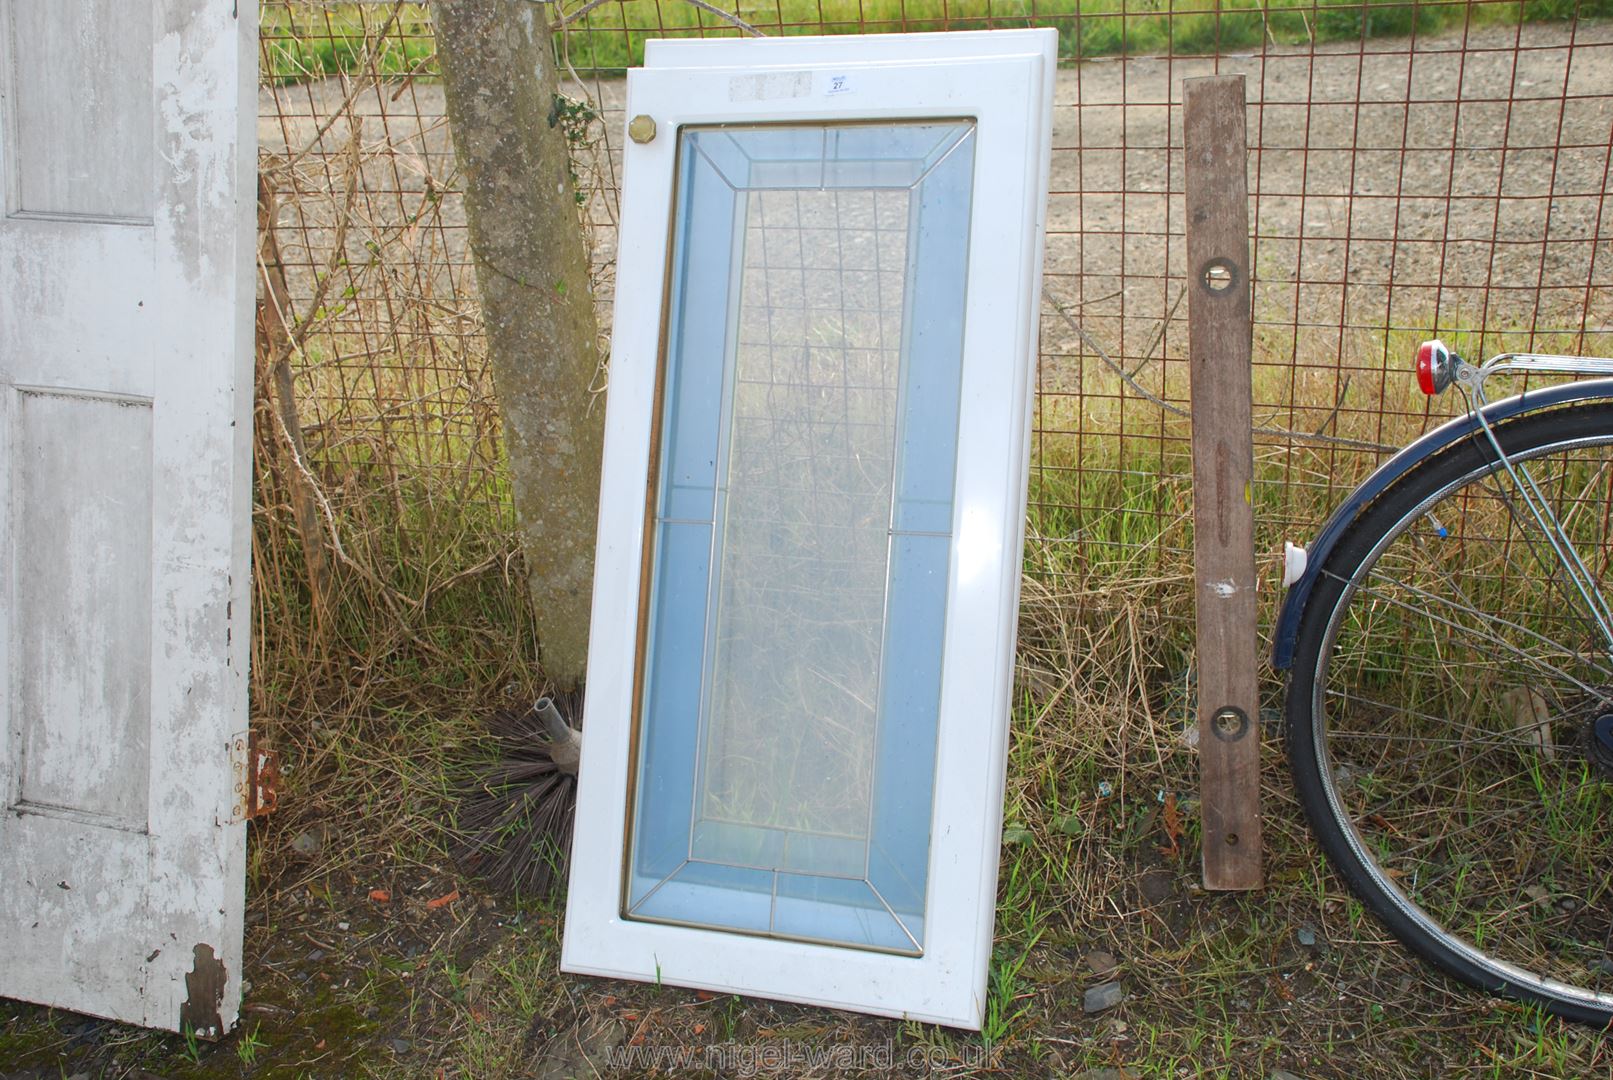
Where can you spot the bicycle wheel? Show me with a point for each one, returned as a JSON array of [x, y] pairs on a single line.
[[1450, 714]]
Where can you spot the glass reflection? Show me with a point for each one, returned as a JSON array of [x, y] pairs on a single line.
[[803, 530]]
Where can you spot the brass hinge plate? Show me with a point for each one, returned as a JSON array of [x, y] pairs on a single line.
[[254, 776]]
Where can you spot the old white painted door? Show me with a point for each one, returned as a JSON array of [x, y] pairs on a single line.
[[127, 148]]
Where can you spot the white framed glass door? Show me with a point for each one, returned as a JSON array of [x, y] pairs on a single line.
[[811, 520], [787, 725]]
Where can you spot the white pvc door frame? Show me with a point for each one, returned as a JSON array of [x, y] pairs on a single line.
[[1003, 82]]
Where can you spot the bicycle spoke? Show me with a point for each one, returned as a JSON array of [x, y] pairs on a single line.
[[1451, 717], [1568, 563], [1488, 636]]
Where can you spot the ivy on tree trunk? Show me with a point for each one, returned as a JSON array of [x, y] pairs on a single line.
[[532, 265]]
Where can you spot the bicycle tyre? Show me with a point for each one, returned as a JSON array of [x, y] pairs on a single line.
[[1443, 748]]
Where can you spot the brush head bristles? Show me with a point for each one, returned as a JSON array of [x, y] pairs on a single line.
[[514, 822]]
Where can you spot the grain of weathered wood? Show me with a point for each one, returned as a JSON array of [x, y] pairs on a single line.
[[85, 126], [274, 362], [1219, 345], [126, 294]]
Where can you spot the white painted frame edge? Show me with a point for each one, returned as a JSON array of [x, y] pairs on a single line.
[[792, 52], [206, 74], [947, 984]]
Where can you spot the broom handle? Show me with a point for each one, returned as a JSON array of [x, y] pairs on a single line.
[[565, 741]]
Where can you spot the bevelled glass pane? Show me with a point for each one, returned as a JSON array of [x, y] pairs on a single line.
[[803, 517]]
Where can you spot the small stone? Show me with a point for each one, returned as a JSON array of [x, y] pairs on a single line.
[[1307, 937], [399, 1046], [316, 955], [306, 843], [1155, 885], [1103, 996], [1102, 963], [341, 926], [1602, 965], [581, 1051], [1283, 1074]]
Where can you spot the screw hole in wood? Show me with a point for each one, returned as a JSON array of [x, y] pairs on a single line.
[[1219, 275]]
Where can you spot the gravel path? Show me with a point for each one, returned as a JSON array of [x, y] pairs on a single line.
[[1475, 176]]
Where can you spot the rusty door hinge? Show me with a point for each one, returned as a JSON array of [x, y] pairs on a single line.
[[255, 775]]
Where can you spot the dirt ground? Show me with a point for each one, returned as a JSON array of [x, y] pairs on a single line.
[[368, 953], [1471, 172]]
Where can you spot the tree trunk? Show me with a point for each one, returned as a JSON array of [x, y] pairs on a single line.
[[532, 265]]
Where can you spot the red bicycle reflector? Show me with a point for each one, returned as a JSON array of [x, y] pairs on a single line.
[[1433, 366]]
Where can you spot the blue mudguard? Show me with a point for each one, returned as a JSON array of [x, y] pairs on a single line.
[[1287, 631]]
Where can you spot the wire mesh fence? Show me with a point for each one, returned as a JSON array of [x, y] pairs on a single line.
[[1414, 169]]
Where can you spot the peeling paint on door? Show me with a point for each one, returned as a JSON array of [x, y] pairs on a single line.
[[127, 239], [204, 993]]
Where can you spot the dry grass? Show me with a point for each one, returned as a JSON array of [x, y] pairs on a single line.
[[376, 693], [1101, 857]]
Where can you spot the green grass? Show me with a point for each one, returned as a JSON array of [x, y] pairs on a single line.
[[612, 37], [379, 712], [304, 38], [1217, 985]]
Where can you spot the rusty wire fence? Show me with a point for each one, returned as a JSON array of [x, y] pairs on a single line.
[[1422, 168]]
